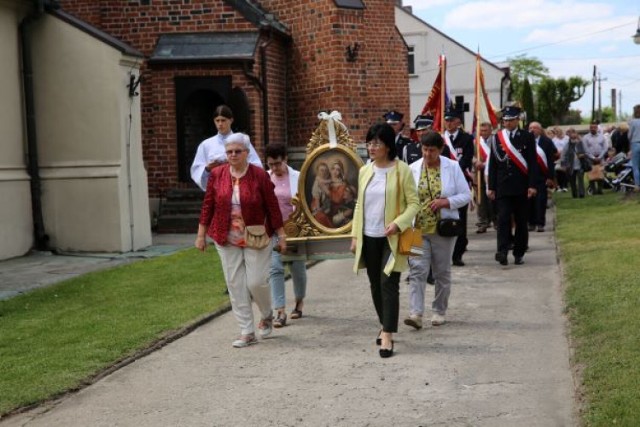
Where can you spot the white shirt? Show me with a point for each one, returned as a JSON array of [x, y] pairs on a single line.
[[374, 197]]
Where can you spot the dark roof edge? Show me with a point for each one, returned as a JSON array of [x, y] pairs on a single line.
[[178, 61], [258, 16], [96, 33], [449, 38]]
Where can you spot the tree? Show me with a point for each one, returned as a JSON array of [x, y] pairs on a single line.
[[523, 68], [554, 96], [527, 101]]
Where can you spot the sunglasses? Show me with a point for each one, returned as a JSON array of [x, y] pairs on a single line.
[[236, 152]]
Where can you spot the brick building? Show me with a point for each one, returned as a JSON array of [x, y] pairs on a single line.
[[277, 63]]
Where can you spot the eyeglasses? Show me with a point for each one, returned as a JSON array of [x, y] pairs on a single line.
[[274, 164], [374, 144], [236, 152]]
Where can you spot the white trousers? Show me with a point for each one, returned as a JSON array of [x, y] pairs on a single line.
[[246, 272]]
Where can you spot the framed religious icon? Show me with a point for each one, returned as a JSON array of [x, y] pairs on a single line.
[[328, 188]]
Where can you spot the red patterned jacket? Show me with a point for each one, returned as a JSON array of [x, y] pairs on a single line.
[[257, 201]]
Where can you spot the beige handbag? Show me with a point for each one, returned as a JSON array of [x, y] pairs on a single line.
[[410, 240], [256, 237]]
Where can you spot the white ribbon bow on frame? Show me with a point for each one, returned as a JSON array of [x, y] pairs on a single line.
[[331, 118]]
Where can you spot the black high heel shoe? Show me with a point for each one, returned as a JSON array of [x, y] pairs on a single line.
[[387, 352], [379, 340]]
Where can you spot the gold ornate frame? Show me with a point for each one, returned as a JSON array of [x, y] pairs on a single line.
[[302, 223]]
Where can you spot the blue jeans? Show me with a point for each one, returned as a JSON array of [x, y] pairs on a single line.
[[298, 271], [635, 162]]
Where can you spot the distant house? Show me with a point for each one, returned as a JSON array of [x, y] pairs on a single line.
[[425, 44]]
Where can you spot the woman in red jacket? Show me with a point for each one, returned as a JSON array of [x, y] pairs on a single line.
[[238, 195]]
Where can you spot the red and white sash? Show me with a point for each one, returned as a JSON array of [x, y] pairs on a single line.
[[483, 149], [541, 157], [452, 151], [512, 152], [484, 153]]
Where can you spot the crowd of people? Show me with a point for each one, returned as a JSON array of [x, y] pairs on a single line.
[[425, 182]]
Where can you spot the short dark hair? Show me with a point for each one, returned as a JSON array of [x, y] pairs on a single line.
[[432, 139], [224, 111], [275, 150], [384, 133]]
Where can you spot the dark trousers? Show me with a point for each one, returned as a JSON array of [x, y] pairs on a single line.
[[576, 180], [538, 206], [385, 290], [561, 177], [486, 209], [517, 206], [461, 242]]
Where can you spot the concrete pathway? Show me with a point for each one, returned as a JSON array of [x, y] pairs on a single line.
[[501, 360]]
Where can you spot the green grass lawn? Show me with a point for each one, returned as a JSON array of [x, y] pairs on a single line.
[[54, 338], [599, 239]]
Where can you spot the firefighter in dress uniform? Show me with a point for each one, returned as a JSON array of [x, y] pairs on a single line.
[[512, 182]]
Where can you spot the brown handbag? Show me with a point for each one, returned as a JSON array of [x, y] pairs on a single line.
[[256, 237], [410, 240]]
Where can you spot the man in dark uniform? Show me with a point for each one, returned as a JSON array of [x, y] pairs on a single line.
[[394, 119], [512, 180], [413, 150], [462, 143], [545, 158]]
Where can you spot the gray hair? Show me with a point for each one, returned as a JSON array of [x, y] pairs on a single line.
[[238, 138]]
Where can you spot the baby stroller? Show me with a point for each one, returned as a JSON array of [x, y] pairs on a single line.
[[618, 173]]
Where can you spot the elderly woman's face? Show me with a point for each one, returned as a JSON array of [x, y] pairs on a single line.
[[431, 154], [223, 124], [236, 153]]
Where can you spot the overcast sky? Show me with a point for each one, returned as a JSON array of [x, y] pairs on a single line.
[[568, 36]]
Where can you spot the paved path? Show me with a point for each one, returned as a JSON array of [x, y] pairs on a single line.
[[501, 360]]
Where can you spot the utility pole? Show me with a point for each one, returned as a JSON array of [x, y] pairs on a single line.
[[593, 95], [599, 79], [614, 104], [620, 103]]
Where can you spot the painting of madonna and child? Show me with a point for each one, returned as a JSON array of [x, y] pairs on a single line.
[[331, 187]]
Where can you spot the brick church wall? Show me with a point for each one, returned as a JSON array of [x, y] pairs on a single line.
[[308, 75], [139, 23], [320, 77]]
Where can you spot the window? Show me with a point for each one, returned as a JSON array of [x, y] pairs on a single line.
[[411, 60], [350, 4]]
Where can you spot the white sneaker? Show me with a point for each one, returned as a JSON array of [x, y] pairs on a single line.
[[414, 321], [437, 319], [265, 327], [244, 341]]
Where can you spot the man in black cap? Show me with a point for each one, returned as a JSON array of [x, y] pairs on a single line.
[[512, 181], [413, 150], [394, 119], [462, 144]]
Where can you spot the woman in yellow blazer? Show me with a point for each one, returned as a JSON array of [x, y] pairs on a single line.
[[377, 224]]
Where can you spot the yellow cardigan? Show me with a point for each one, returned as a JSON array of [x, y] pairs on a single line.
[[409, 206]]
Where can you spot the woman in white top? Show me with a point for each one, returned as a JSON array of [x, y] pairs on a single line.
[[560, 140], [381, 213], [442, 189]]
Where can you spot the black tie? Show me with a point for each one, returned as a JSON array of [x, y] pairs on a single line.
[[511, 135]]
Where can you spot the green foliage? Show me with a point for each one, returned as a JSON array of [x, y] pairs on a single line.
[[524, 68], [53, 338], [527, 101], [599, 238], [554, 97], [573, 117]]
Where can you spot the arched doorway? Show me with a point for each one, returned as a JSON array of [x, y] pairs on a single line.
[[196, 99]]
